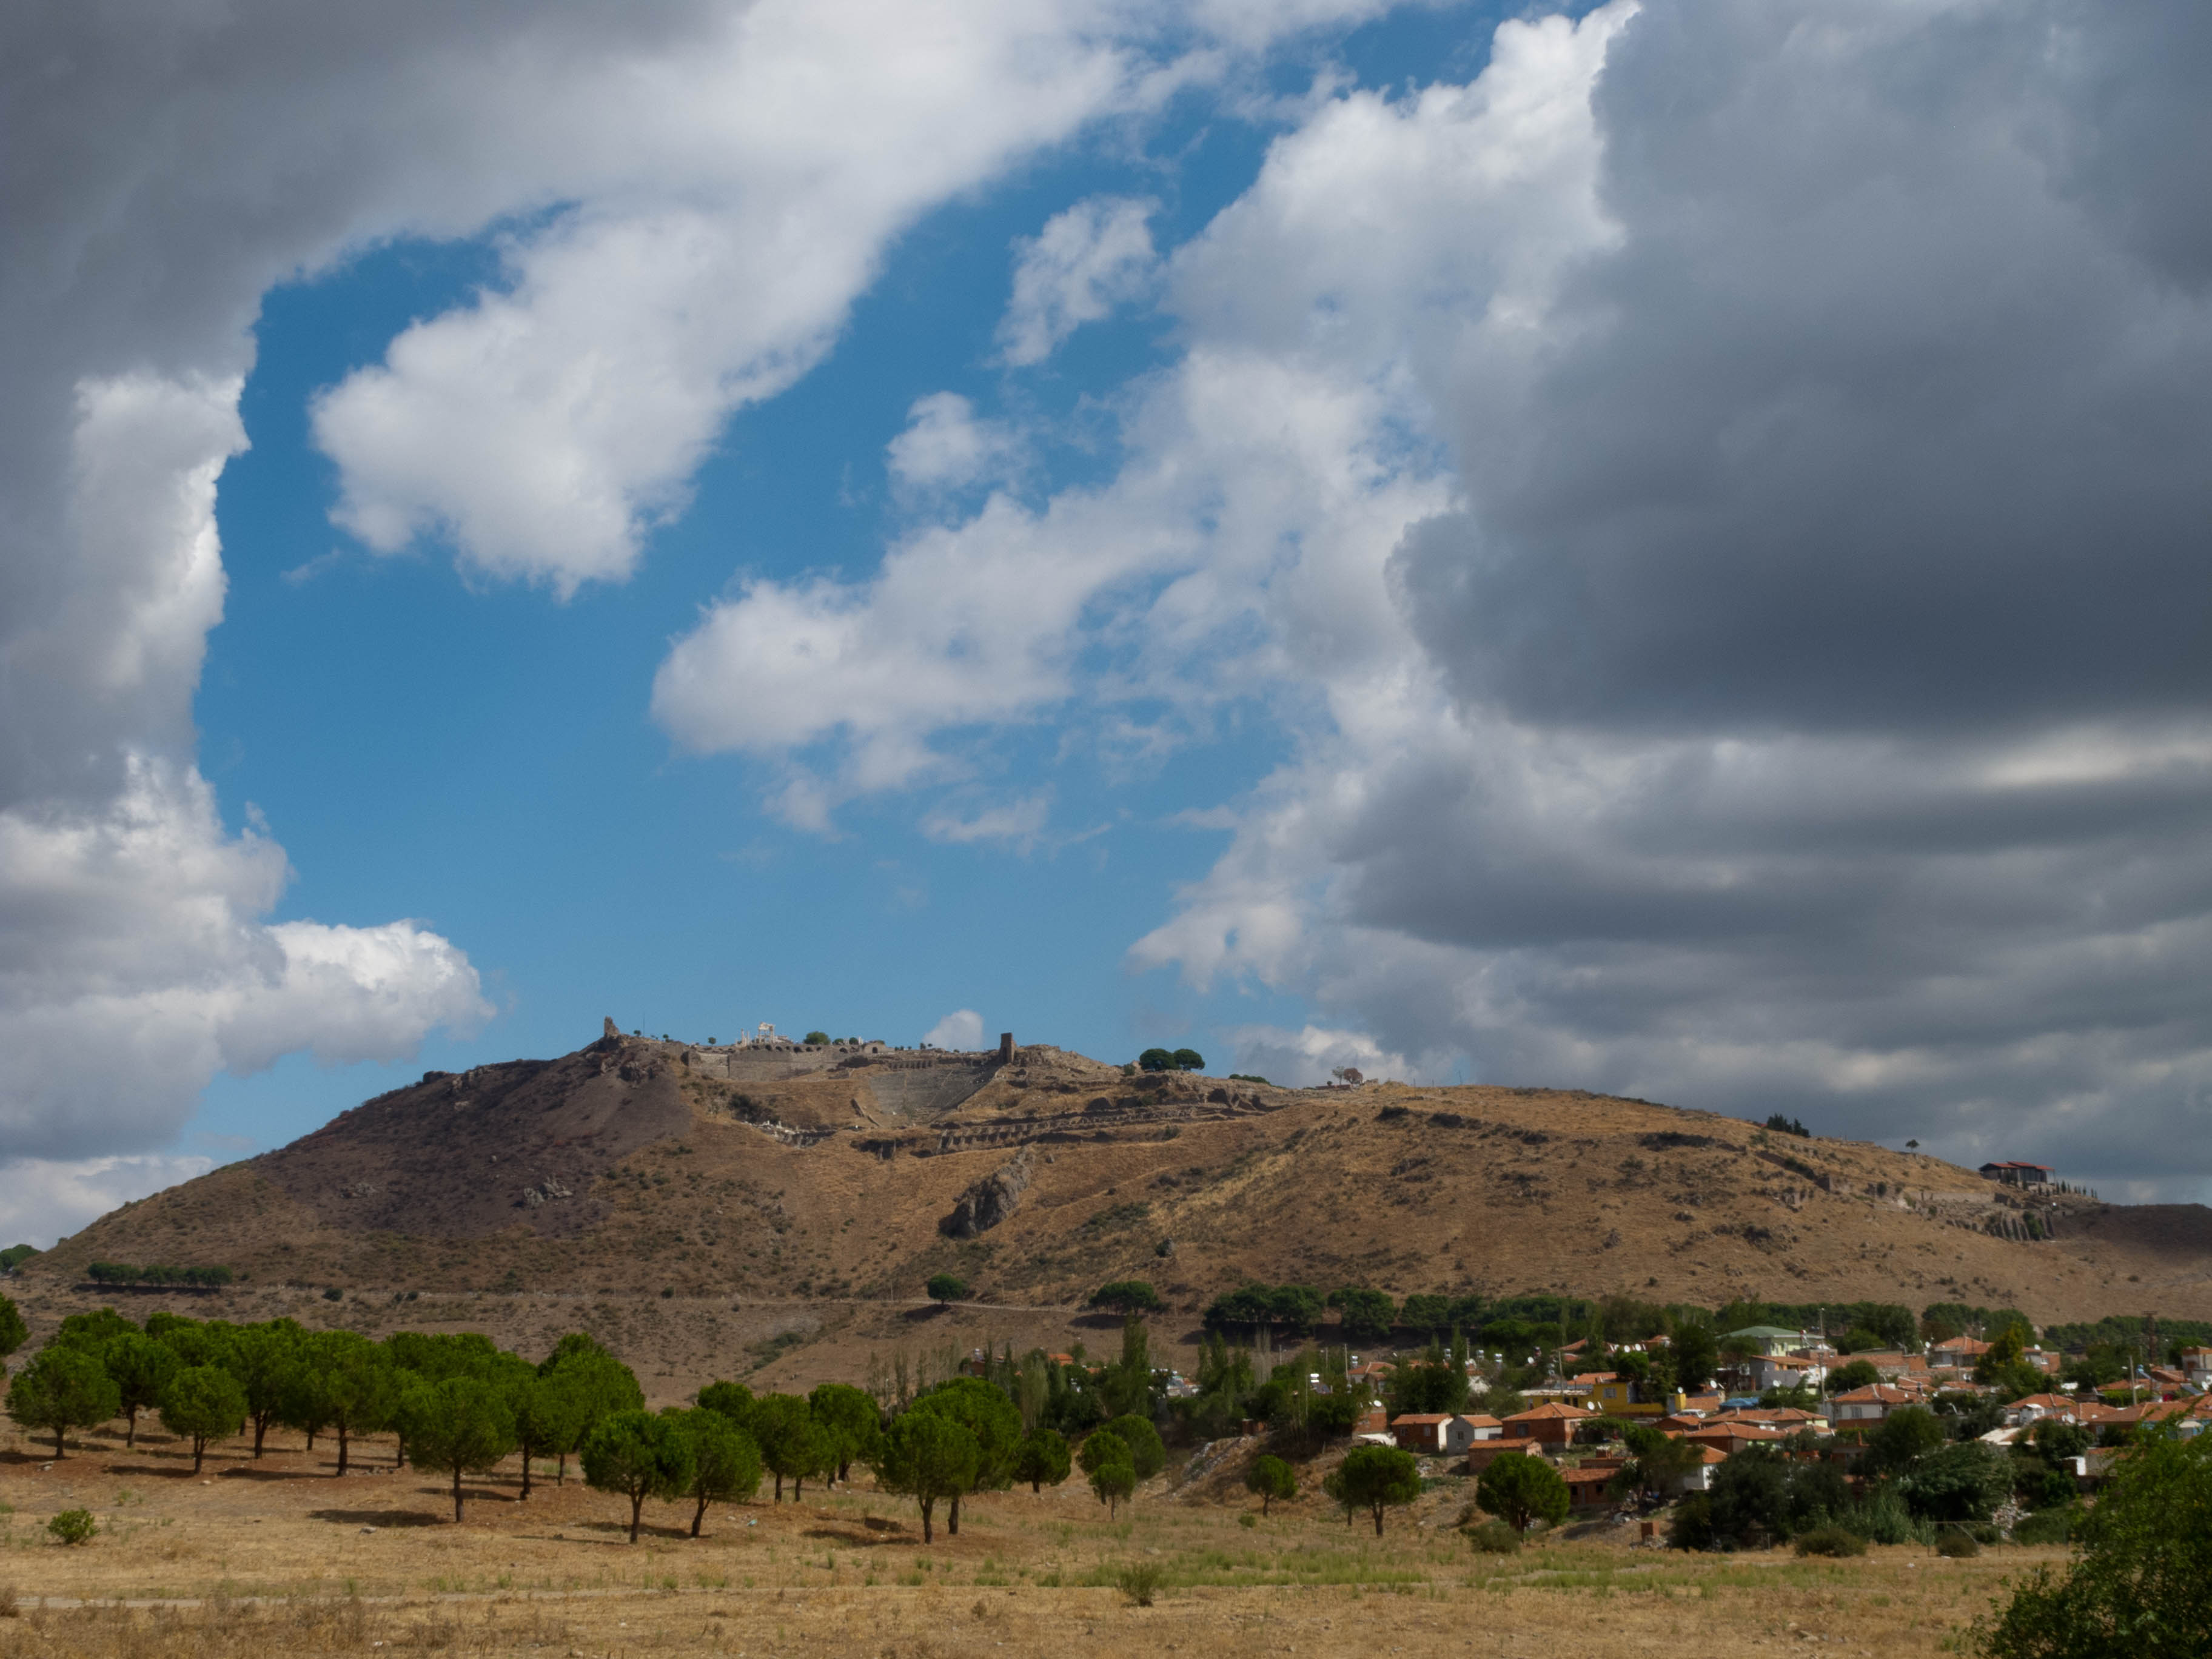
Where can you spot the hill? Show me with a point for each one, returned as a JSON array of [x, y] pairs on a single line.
[[721, 1209]]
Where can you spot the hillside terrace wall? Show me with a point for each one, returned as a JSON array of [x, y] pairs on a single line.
[[1096, 1121]]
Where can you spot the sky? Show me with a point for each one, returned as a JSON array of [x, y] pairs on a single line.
[[1663, 548]]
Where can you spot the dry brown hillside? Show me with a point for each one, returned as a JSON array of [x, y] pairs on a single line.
[[709, 1210]]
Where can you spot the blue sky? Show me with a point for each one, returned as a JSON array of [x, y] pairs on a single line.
[[481, 756], [1650, 548]]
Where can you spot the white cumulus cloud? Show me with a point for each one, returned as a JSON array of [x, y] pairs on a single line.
[[962, 1029], [1088, 260]]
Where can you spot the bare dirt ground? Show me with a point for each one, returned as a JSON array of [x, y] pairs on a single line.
[[282, 1557]]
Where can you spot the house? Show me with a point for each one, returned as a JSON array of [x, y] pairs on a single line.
[[1586, 1488], [1766, 1340], [1958, 1351], [2017, 1174], [2035, 1408], [1699, 1478], [1552, 1425], [1789, 1420], [1372, 1421], [1729, 1439], [1785, 1371], [2196, 1365], [1870, 1404], [1479, 1427], [1617, 1396], [1483, 1453], [1425, 1432]]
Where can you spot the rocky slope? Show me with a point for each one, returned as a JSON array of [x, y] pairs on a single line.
[[731, 1213]]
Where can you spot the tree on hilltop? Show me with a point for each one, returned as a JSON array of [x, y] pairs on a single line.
[[817, 1039]]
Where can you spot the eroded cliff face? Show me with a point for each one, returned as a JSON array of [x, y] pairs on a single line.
[[990, 1201]]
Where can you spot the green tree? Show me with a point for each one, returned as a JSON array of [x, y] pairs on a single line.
[[1859, 1374], [1270, 1478], [458, 1426], [142, 1367], [927, 1455], [1902, 1439], [1376, 1477], [13, 1332], [1157, 1060], [548, 1409], [1520, 1491], [791, 1444], [1126, 1297], [1113, 1481], [1148, 1456], [1964, 1482], [639, 1456], [93, 1330], [203, 1403], [2141, 1585], [262, 1358], [345, 1382], [1696, 1351], [1103, 1446], [986, 1413], [1041, 1459], [726, 1464], [850, 1423], [63, 1388], [817, 1039], [1366, 1315], [1189, 1059], [1431, 1384], [602, 1386], [733, 1399], [196, 1342], [945, 1287]]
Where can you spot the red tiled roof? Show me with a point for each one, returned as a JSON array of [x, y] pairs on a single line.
[[1551, 1411]]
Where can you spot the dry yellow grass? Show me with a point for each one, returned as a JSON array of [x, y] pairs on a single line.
[[278, 1559]]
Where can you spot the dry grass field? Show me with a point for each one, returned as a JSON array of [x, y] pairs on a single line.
[[282, 1558]]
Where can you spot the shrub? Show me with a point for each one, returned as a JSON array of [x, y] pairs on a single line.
[[1956, 1545], [2046, 1527], [1830, 1541], [1493, 1538], [1883, 1519], [1139, 1581], [73, 1527]]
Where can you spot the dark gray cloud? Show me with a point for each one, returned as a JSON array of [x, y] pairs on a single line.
[[1840, 579], [1890, 409]]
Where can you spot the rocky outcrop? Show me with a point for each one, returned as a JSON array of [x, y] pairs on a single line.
[[990, 1201]]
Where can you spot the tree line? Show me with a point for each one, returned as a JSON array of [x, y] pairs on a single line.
[[118, 1273]]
